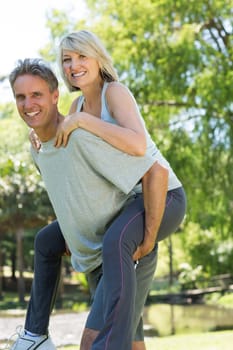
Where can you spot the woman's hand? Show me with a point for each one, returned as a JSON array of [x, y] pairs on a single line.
[[64, 129], [34, 139]]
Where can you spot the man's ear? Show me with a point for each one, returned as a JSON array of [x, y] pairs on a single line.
[[56, 96]]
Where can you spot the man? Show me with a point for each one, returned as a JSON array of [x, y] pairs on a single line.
[[91, 186]]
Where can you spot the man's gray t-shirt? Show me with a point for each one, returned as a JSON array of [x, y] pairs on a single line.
[[88, 182]]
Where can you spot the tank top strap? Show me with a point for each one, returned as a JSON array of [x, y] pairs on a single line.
[[80, 103], [103, 97], [105, 114], [105, 86], [103, 101]]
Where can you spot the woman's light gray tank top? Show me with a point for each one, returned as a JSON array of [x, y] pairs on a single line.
[[173, 181]]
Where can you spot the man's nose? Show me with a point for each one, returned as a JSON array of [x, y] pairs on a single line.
[[28, 102]]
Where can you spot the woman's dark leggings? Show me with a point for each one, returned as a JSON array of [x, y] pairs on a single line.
[[122, 290]]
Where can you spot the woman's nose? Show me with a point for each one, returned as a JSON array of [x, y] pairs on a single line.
[[75, 63]]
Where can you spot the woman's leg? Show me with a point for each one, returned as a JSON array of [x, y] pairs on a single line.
[[119, 278], [123, 291], [144, 274], [173, 214], [49, 248]]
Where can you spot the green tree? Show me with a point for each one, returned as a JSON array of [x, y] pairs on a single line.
[[24, 202], [24, 205], [176, 57]]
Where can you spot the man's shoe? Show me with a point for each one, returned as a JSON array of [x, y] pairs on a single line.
[[27, 342]]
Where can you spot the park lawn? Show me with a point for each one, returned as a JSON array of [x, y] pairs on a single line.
[[200, 341]]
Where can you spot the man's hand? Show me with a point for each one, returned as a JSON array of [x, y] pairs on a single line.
[[144, 249], [154, 185], [34, 139]]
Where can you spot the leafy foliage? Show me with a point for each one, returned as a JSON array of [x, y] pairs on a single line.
[[23, 196], [176, 57]]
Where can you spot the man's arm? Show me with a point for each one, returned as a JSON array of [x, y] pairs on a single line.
[[155, 185]]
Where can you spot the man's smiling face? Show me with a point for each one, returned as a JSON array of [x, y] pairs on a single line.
[[36, 104]]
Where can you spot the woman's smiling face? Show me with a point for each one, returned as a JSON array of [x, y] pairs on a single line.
[[80, 70]]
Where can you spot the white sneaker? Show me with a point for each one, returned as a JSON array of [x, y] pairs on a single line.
[[27, 342]]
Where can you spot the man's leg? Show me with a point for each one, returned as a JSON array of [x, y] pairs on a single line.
[[88, 337], [49, 248], [139, 345]]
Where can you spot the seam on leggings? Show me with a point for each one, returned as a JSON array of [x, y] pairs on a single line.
[[170, 200], [121, 235]]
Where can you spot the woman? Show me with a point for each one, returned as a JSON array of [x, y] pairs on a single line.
[[107, 109]]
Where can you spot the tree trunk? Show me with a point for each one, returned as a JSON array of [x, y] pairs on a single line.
[[1, 272], [13, 264], [20, 265], [170, 252], [170, 249]]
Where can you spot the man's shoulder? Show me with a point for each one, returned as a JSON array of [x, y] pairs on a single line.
[[80, 135]]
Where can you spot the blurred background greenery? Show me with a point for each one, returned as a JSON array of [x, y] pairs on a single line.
[[177, 58]]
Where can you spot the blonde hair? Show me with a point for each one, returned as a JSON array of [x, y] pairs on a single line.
[[87, 44]]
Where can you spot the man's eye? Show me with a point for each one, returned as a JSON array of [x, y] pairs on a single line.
[[19, 98]]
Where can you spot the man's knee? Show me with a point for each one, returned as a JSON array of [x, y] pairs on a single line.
[[41, 241], [46, 243], [49, 241]]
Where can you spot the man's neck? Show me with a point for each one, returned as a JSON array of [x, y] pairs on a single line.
[[47, 133]]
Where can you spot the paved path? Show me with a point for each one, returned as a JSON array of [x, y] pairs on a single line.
[[65, 329]]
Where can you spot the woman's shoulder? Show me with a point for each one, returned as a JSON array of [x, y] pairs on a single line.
[[115, 87]]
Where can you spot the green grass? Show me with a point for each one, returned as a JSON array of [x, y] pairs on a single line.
[[198, 341]]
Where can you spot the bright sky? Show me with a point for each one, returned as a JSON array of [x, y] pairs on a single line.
[[23, 31]]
